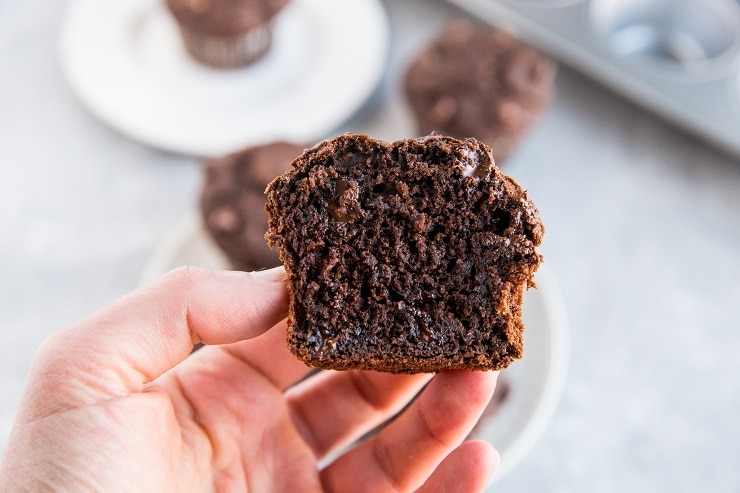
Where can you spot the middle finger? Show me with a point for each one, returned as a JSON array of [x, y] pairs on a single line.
[[269, 354], [333, 409]]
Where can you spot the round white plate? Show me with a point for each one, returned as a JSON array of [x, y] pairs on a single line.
[[126, 62], [535, 382]]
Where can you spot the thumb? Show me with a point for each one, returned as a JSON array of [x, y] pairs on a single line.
[[122, 347]]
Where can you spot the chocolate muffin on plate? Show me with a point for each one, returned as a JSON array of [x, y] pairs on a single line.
[[479, 82], [226, 33], [232, 201]]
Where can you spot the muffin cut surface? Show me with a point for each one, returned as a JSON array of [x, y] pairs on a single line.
[[405, 257]]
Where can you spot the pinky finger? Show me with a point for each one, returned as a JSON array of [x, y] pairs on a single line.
[[467, 469]]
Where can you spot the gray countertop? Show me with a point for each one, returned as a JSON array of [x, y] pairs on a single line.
[[642, 234]]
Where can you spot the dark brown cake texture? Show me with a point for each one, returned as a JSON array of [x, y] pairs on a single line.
[[479, 82], [226, 33], [232, 201], [405, 257]]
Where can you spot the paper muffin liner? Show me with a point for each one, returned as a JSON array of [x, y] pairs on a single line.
[[230, 51]]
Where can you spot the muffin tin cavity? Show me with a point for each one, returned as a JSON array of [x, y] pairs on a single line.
[[678, 58], [684, 35]]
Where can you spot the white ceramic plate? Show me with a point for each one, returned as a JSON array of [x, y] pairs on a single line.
[[535, 382], [126, 62]]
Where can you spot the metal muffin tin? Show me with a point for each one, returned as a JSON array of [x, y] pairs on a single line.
[[679, 58]]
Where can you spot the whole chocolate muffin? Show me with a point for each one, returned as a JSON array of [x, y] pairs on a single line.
[[232, 201], [226, 33], [479, 82], [404, 257]]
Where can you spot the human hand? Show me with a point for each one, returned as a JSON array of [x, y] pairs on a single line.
[[114, 403]]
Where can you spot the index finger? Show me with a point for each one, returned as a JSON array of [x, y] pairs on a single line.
[[129, 343]]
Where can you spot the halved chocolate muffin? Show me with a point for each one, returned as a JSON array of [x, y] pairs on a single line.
[[404, 257]]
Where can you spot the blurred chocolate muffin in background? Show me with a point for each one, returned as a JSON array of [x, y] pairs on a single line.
[[479, 82], [226, 33], [232, 201]]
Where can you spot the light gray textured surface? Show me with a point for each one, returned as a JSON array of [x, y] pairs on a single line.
[[643, 235]]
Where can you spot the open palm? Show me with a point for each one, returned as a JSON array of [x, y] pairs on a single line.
[[115, 403]]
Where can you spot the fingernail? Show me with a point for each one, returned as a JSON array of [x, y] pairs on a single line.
[[276, 274], [495, 459]]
